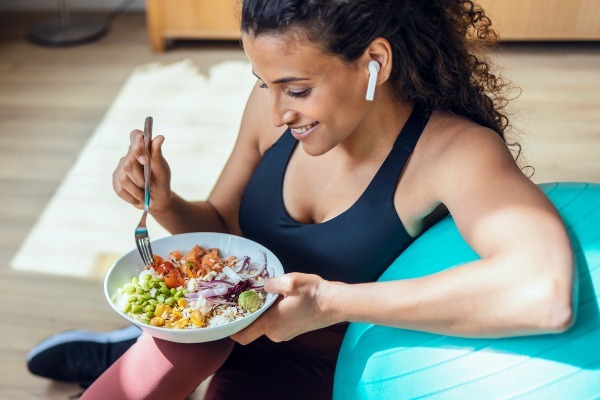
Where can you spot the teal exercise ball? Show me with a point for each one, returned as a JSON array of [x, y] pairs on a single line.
[[377, 362]]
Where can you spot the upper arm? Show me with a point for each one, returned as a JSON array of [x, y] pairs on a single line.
[[227, 193], [497, 209]]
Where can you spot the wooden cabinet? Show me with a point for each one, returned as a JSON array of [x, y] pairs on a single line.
[[513, 19], [544, 19], [191, 19]]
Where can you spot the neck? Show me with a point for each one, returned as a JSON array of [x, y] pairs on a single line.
[[380, 127]]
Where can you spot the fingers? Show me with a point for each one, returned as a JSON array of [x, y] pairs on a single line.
[[160, 169], [263, 325], [156, 147], [128, 178], [124, 185], [137, 149], [286, 284], [249, 334]]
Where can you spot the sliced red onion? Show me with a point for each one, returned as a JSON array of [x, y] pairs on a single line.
[[242, 266], [220, 281], [203, 284], [258, 269], [216, 291]]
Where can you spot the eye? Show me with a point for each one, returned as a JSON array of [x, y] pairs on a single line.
[[298, 94], [262, 85]]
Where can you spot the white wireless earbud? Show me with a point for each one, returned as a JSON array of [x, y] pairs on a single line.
[[373, 72]]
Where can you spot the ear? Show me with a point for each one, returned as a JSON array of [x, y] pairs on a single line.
[[379, 50]]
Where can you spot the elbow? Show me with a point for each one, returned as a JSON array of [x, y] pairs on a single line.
[[555, 306], [546, 311], [558, 316], [550, 301], [556, 292]]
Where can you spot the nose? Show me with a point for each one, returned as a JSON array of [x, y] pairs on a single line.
[[280, 114]]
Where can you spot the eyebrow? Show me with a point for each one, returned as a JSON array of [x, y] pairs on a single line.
[[283, 80]]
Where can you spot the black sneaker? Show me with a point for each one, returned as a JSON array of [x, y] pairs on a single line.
[[79, 356]]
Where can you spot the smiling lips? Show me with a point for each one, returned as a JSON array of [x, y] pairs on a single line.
[[303, 131]]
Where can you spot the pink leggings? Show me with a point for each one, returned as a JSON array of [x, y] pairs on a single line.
[[301, 368]]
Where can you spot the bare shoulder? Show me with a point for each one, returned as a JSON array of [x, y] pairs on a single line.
[[458, 154], [471, 171], [454, 141], [461, 167]]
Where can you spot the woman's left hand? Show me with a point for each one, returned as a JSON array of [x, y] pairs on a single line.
[[300, 309]]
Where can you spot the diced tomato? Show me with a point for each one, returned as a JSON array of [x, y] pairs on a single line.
[[173, 278], [164, 267], [158, 259]]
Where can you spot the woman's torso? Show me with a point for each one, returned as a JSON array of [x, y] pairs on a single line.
[[353, 231]]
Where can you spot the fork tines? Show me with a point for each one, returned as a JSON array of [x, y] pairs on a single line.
[[143, 244]]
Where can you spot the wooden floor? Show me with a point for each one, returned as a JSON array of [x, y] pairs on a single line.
[[51, 100]]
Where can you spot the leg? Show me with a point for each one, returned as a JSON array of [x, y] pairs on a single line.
[[300, 369], [157, 369]]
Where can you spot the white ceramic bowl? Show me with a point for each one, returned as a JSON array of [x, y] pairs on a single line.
[[131, 264]]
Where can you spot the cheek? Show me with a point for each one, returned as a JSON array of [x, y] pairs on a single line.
[[348, 105]]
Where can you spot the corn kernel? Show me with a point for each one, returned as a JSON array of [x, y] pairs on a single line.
[[182, 323], [159, 309], [197, 318]]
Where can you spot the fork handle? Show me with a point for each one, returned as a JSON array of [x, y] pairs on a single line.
[[148, 144]]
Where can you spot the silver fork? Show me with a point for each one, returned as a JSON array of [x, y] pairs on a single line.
[[142, 240]]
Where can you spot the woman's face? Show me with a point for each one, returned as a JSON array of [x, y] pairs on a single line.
[[320, 98]]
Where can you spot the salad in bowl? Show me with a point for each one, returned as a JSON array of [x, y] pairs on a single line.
[[201, 287]]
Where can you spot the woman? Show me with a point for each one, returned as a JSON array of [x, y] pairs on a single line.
[[337, 186]]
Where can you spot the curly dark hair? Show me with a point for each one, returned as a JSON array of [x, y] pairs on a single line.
[[438, 46]]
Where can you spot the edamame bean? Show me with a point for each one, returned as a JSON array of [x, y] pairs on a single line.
[[132, 299], [145, 321], [150, 314], [160, 298], [154, 302], [137, 309], [170, 301], [146, 296], [127, 308], [149, 307]]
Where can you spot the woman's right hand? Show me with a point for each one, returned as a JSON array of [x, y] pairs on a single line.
[[128, 177]]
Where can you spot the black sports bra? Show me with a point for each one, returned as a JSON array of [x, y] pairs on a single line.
[[357, 245]]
